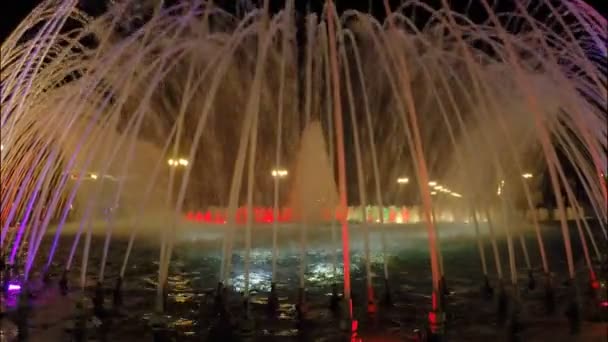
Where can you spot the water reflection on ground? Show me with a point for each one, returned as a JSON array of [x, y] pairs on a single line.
[[194, 274]]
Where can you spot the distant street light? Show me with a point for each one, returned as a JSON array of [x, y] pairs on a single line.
[[403, 180], [94, 176], [279, 173], [178, 162], [438, 188], [500, 187], [432, 183], [527, 175]]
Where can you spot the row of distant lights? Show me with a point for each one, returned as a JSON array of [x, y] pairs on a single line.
[[526, 175], [437, 188], [280, 173], [93, 176], [181, 162], [178, 162]]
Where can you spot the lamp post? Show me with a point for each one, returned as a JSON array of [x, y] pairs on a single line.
[[273, 299], [174, 164], [180, 162], [279, 173], [443, 291], [403, 180]]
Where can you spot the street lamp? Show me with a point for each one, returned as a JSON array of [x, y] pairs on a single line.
[[527, 175], [178, 162], [432, 183], [500, 187], [279, 173], [403, 180]]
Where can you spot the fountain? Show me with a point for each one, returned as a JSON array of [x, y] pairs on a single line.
[[314, 189], [116, 123]]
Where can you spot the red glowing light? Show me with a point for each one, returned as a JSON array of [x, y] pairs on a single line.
[[371, 307], [190, 216], [369, 216], [604, 304], [405, 215], [354, 325], [286, 215], [259, 215], [268, 215], [241, 215], [344, 214], [392, 215], [220, 218], [595, 284], [207, 217]]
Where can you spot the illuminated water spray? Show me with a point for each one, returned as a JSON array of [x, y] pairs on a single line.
[[236, 97]]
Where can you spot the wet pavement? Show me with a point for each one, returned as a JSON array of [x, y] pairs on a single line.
[[194, 274]]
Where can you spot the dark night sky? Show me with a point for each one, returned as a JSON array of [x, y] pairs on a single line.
[[14, 11]]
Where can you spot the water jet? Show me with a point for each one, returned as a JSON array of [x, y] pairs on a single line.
[[273, 300], [24, 307], [549, 295], [531, 280], [160, 329], [117, 293], [573, 309], [334, 299], [63, 283], [503, 304], [486, 290], [387, 298], [126, 119], [80, 322], [246, 324], [99, 301]]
